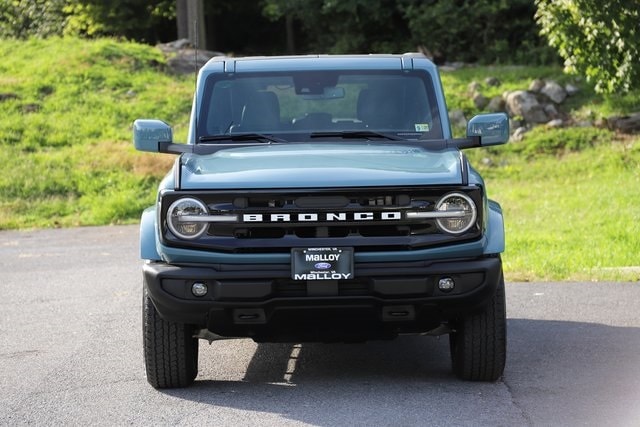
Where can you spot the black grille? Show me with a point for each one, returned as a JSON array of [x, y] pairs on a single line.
[[371, 219]]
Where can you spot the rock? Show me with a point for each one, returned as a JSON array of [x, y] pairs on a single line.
[[183, 58], [456, 65], [480, 101], [189, 61], [554, 91], [551, 111], [496, 104], [555, 123], [487, 161], [474, 87], [536, 85], [571, 89], [524, 104], [457, 118], [492, 81], [584, 124], [600, 123], [518, 134], [625, 124], [515, 124]]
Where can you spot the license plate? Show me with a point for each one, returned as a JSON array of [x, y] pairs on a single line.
[[321, 263]]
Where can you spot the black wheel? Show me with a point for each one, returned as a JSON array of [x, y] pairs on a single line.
[[170, 351], [479, 343]]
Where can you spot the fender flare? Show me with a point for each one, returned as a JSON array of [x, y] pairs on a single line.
[[148, 248], [495, 230]]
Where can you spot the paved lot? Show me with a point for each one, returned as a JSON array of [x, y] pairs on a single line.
[[70, 353]]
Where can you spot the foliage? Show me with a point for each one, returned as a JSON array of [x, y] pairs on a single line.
[[347, 26], [31, 18], [141, 20], [597, 38], [133, 19], [488, 31]]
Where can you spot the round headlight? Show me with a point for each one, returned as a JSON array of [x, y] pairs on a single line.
[[179, 223], [462, 210]]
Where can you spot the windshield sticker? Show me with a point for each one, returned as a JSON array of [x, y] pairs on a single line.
[[422, 127]]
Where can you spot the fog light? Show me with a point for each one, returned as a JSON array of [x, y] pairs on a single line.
[[199, 289], [446, 284]]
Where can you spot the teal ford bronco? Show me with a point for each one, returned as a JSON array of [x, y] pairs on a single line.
[[321, 198]]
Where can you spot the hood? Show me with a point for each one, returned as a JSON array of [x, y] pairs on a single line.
[[320, 165]]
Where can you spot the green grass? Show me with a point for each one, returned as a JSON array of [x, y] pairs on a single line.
[[570, 196], [569, 215], [64, 138]]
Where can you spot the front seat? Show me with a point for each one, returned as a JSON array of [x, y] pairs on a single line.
[[260, 113]]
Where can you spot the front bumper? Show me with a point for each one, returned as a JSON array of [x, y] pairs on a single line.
[[263, 302]]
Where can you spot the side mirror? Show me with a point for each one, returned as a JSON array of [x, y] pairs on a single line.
[[149, 133], [493, 129]]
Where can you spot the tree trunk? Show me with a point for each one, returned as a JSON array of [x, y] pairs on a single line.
[[191, 23]]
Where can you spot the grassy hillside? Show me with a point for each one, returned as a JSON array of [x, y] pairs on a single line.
[[570, 195], [65, 130]]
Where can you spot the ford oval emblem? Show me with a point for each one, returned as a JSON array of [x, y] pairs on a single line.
[[323, 266]]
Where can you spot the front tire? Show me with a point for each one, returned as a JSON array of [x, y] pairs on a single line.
[[479, 343], [170, 351]]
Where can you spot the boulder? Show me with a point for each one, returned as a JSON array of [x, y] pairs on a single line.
[[555, 123], [554, 91], [525, 104], [183, 58], [518, 134], [571, 89], [625, 124], [496, 104], [457, 118], [536, 85], [480, 101], [474, 87], [492, 81], [551, 111]]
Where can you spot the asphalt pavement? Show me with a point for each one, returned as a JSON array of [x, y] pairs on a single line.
[[71, 354]]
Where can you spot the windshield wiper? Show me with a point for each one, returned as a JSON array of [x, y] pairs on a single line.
[[355, 134], [258, 137]]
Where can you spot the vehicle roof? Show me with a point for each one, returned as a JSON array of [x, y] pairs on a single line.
[[407, 61]]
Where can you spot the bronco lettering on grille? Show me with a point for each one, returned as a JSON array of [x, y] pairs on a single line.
[[323, 217]]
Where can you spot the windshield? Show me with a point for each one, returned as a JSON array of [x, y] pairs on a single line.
[[297, 104]]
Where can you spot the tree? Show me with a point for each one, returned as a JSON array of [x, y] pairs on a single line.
[[31, 18], [345, 26], [487, 31], [597, 38], [142, 20]]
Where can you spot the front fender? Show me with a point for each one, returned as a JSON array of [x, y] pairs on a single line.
[[148, 227], [495, 230]]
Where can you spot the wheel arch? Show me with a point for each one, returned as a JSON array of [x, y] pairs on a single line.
[[148, 247], [495, 229]]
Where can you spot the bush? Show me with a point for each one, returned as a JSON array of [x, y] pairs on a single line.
[[597, 38]]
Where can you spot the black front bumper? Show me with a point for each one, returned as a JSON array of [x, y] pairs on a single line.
[[263, 302]]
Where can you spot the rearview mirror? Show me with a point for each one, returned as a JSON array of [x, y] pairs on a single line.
[[493, 129], [148, 133], [327, 93]]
